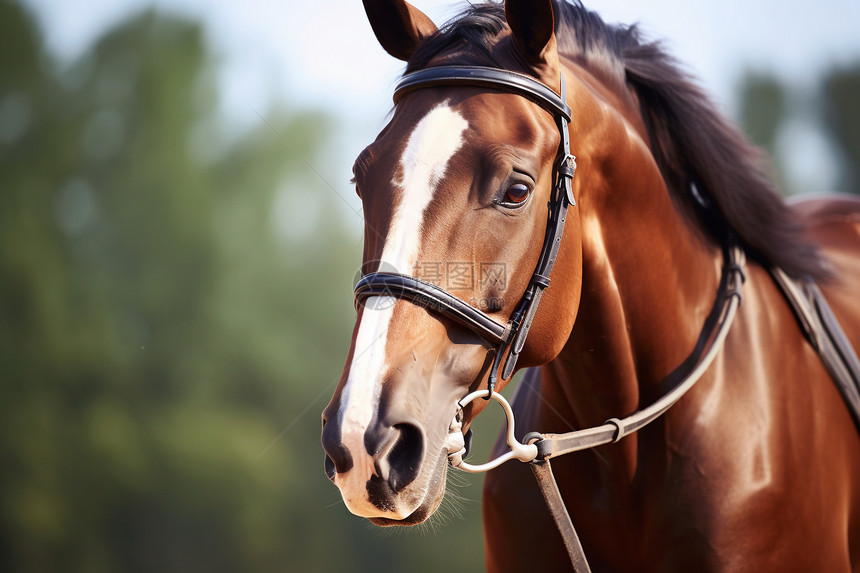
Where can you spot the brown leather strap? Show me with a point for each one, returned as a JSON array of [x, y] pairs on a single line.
[[826, 336], [551, 445], [725, 308], [555, 504], [431, 297], [484, 77]]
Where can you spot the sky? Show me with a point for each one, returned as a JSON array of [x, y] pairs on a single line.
[[324, 54]]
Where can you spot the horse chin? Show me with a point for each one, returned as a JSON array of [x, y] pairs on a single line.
[[430, 503]]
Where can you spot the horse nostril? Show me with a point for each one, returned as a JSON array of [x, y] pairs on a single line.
[[329, 468], [404, 458], [338, 458]]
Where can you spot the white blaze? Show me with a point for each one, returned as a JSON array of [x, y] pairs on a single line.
[[436, 138]]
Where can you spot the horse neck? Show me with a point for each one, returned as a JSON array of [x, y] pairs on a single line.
[[648, 282]]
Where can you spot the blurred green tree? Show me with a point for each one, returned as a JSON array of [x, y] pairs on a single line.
[[762, 113], [175, 306], [841, 104], [763, 108]]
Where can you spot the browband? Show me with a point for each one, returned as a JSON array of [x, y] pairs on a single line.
[[478, 76]]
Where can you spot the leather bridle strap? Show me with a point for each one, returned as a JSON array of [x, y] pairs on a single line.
[[554, 445], [508, 337], [538, 448], [713, 334], [555, 503], [431, 297], [484, 77]]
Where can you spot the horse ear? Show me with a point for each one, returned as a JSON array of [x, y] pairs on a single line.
[[533, 27], [399, 26]]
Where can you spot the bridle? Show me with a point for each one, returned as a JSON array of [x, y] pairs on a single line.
[[539, 448], [513, 334]]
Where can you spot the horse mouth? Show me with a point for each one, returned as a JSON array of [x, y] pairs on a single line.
[[432, 498], [418, 516]]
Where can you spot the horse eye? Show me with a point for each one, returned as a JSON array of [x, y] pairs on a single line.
[[517, 194]]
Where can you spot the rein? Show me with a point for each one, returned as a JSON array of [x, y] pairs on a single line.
[[539, 448], [546, 446], [510, 337]]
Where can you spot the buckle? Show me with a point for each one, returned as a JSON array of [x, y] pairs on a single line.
[[566, 170], [567, 166]]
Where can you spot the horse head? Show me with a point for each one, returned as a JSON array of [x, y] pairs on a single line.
[[469, 196], [456, 192]]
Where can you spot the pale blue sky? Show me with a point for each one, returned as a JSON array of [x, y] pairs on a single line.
[[324, 53]]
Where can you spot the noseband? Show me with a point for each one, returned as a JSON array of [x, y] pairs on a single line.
[[427, 295]]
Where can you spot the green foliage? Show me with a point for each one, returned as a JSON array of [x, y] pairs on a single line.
[[175, 307], [762, 113], [762, 108], [765, 111], [841, 102]]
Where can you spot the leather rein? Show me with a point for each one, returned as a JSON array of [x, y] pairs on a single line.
[[510, 337]]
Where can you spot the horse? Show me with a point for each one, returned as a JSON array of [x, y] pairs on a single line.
[[755, 468]]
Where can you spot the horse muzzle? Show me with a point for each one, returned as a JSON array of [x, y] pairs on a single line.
[[375, 466]]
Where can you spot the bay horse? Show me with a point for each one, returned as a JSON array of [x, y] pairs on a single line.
[[756, 468]]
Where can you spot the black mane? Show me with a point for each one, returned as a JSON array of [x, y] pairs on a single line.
[[693, 144]]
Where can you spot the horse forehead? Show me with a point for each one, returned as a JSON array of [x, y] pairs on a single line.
[[430, 146], [439, 138], [523, 120], [491, 116]]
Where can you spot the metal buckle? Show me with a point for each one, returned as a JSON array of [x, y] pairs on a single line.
[[567, 169], [567, 166]]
